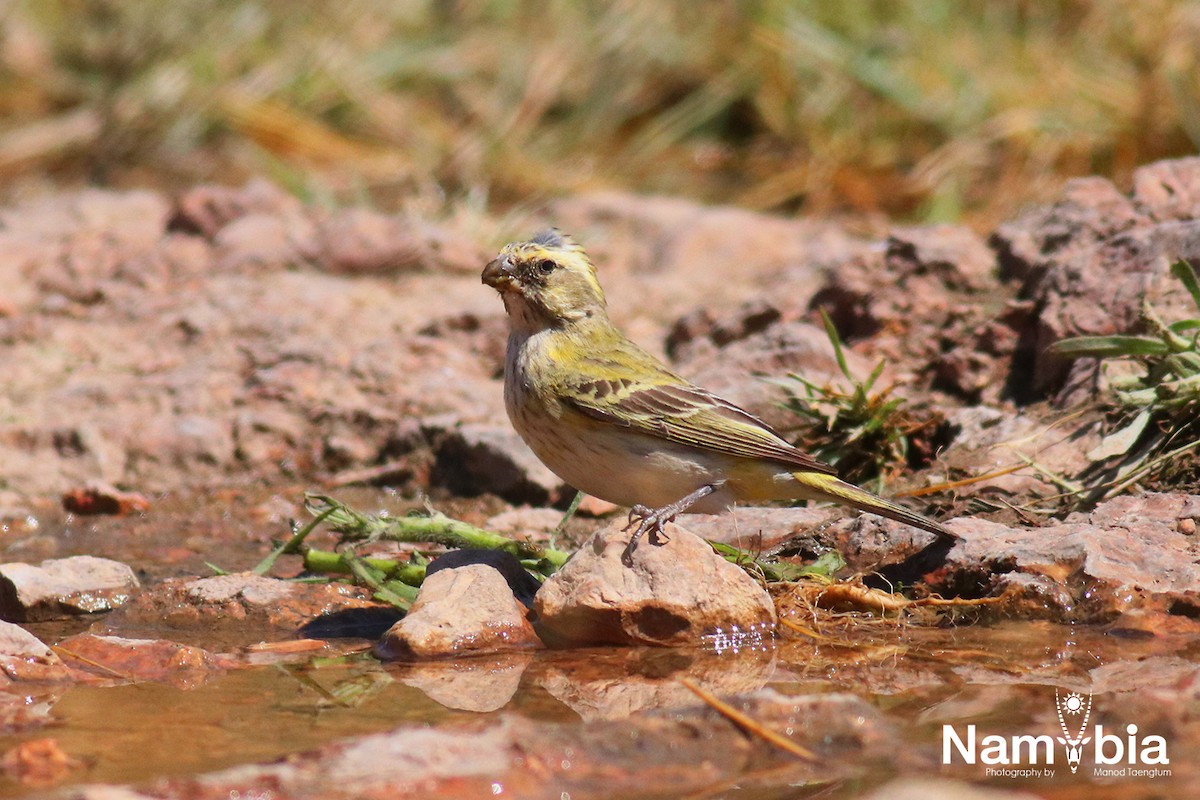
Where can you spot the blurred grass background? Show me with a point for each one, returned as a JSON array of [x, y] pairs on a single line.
[[926, 110]]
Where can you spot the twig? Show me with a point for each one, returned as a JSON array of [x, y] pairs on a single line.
[[62, 651], [747, 723], [941, 487]]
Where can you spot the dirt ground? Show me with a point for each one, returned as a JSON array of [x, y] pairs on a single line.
[[199, 362]]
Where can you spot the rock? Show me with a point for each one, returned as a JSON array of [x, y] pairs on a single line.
[[1089, 262], [659, 253], [1089, 211], [481, 683], [1099, 291], [753, 317], [917, 280], [462, 610], [975, 362], [485, 336], [109, 657], [523, 585], [1126, 554], [178, 364], [364, 242], [960, 259], [137, 217], [208, 209], [668, 234], [1168, 190], [866, 543], [595, 507], [759, 528], [478, 458], [673, 594], [101, 498], [244, 607], [987, 439], [525, 523], [24, 657], [63, 587], [261, 240]]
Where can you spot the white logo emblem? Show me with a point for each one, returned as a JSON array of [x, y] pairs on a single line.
[[1073, 706]]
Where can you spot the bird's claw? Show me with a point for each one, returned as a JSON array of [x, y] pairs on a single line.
[[650, 524]]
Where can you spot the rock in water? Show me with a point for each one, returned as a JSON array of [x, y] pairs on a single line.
[[468, 609], [63, 587], [674, 594]]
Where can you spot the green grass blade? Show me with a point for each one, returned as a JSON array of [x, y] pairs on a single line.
[[1109, 346], [834, 340], [1182, 270]]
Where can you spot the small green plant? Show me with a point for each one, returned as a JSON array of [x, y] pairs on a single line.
[[1157, 408], [862, 431], [396, 581]]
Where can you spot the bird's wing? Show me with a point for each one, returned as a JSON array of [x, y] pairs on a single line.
[[670, 408]]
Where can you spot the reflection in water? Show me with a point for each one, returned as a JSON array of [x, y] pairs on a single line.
[[615, 683], [1000, 678], [483, 683]]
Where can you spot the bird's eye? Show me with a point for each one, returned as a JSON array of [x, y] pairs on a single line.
[[546, 266]]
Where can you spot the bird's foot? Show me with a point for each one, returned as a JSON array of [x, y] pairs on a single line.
[[650, 521]]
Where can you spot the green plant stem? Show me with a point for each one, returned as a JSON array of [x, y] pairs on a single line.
[[562, 524], [293, 545], [400, 595], [355, 526], [329, 562]]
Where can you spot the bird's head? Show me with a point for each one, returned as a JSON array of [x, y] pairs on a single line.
[[548, 280]]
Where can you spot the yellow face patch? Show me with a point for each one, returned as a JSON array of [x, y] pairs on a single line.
[[555, 273]]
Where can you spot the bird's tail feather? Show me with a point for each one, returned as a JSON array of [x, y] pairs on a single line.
[[829, 487]]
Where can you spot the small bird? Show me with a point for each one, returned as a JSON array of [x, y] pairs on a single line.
[[611, 420]]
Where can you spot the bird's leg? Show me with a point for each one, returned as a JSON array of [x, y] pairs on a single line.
[[651, 520]]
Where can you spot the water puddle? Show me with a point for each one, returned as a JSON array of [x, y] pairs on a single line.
[[939, 697]]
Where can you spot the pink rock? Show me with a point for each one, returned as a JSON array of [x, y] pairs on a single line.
[[262, 240], [1125, 555], [64, 587], [109, 657], [463, 610], [24, 657], [1169, 190], [953, 252], [674, 594], [478, 458], [364, 242], [208, 209], [1088, 211], [243, 606]]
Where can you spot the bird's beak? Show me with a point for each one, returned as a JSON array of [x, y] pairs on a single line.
[[499, 274]]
